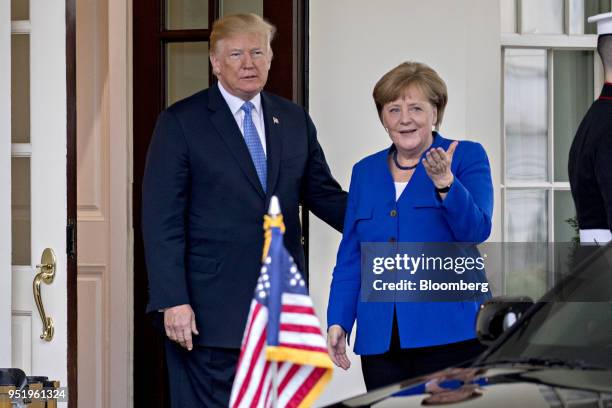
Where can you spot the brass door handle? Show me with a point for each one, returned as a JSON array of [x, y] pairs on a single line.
[[46, 275]]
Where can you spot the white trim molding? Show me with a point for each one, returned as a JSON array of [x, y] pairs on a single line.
[[562, 41]]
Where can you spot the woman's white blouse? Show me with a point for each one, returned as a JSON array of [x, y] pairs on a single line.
[[399, 189]]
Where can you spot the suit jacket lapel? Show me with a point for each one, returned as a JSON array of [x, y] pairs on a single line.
[[274, 141], [223, 120]]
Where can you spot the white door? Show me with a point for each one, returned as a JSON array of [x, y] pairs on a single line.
[[33, 203]]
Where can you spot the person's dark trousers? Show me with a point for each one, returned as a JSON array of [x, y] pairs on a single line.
[[201, 377], [399, 364]]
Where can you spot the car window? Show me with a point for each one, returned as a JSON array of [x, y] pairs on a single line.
[[573, 321]]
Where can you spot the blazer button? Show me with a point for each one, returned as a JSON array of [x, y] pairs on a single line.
[[392, 239], [393, 213]]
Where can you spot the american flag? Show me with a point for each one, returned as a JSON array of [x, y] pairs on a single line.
[[282, 335]]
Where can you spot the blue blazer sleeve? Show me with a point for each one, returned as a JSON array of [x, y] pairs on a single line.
[[468, 206], [346, 279], [165, 193]]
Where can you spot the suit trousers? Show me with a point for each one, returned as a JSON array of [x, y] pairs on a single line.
[[201, 377], [399, 364]]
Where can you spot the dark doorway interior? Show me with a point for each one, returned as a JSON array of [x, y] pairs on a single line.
[[154, 39]]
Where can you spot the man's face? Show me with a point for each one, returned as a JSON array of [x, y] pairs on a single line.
[[241, 63]]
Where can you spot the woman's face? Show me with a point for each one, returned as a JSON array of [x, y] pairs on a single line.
[[409, 121]]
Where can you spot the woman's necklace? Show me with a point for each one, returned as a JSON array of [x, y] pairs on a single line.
[[399, 166]]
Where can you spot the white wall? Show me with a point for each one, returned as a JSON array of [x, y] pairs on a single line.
[[352, 44]]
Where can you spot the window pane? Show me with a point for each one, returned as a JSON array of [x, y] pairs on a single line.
[[576, 16], [20, 88], [186, 14], [542, 16], [241, 6], [20, 204], [526, 114], [526, 216], [591, 8], [526, 270], [20, 10], [186, 69], [564, 211], [573, 94]]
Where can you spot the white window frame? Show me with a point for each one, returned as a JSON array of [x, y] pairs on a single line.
[[550, 43]]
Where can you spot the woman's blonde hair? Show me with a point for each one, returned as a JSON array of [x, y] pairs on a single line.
[[394, 83]]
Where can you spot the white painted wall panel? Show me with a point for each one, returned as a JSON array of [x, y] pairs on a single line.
[[90, 334], [92, 102]]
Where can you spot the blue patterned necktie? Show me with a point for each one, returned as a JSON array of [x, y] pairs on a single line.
[[251, 137]]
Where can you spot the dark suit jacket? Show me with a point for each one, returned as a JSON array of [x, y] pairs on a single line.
[[590, 165], [203, 206]]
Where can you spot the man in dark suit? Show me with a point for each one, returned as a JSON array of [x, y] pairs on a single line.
[[590, 158], [214, 161]]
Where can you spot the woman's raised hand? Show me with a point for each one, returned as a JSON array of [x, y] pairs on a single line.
[[437, 163]]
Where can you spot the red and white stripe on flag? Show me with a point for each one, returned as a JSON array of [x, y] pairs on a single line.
[[303, 365]]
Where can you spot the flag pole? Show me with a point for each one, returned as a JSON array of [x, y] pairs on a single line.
[[273, 212], [274, 384]]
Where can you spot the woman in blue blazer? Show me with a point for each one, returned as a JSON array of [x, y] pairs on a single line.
[[424, 188]]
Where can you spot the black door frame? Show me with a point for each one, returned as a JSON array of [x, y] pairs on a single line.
[[71, 213]]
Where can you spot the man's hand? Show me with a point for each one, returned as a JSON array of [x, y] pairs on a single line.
[[179, 322], [336, 346]]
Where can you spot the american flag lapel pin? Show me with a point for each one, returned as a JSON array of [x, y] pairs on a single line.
[[275, 120]]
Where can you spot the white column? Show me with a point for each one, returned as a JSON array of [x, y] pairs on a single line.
[[5, 184]]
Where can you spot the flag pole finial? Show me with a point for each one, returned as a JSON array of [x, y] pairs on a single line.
[[274, 208]]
